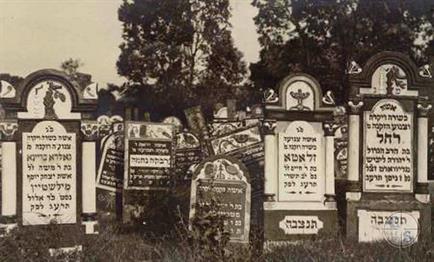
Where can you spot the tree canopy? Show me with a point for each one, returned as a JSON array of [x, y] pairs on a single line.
[[179, 53], [322, 37]]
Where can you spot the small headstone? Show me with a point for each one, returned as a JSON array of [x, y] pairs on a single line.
[[223, 184]]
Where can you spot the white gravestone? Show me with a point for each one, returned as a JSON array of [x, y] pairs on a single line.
[[49, 175], [301, 162], [388, 154]]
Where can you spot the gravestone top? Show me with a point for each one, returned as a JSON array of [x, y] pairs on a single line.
[[50, 94], [390, 73], [299, 92]]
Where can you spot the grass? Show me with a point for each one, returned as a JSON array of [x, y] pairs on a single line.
[[114, 243]]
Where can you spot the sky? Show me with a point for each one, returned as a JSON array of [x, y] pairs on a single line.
[[37, 34]]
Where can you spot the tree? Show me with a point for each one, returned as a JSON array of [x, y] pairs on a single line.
[[322, 37], [179, 53], [70, 66]]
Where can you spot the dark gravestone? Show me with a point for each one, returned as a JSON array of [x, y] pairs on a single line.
[[223, 184], [188, 152], [110, 177], [149, 162]]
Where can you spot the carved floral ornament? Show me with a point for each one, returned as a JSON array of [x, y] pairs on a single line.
[[7, 90], [423, 109], [269, 126], [355, 106], [222, 169], [425, 71], [353, 68], [8, 130], [187, 140], [90, 129], [330, 128]]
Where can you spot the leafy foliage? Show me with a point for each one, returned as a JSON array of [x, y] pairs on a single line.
[[322, 37], [179, 53], [70, 66]]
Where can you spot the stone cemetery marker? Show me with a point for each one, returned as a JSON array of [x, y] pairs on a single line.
[[188, 151], [149, 163], [299, 162], [388, 148], [149, 149], [386, 193], [242, 140], [242, 143], [49, 175], [48, 155], [111, 168], [110, 177], [398, 228], [225, 180], [196, 120]]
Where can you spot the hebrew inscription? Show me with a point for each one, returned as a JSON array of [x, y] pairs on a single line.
[[388, 153], [301, 167], [395, 227], [301, 225], [49, 175]]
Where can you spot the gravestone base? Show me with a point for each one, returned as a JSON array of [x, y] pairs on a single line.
[[388, 205], [6, 228], [321, 223]]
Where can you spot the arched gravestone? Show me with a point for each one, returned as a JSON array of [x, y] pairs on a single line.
[[387, 196], [48, 149], [227, 181], [299, 161]]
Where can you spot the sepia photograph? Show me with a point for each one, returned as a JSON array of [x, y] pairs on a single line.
[[216, 130]]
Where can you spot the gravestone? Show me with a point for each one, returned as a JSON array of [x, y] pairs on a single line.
[[110, 176], [299, 162], [48, 154], [149, 163], [222, 184], [239, 135], [387, 197], [196, 121], [188, 152]]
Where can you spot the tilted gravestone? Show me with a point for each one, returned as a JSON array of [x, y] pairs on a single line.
[[387, 196], [299, 161], [48, 153], [110, 176], [149, 163], [221, 184]]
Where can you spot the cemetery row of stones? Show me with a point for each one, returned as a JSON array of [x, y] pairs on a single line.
[[274, 167]]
